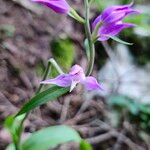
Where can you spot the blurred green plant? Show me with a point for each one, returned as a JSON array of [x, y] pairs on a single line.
[[13, 126], [135, 111], [48, 138], [63, 52]]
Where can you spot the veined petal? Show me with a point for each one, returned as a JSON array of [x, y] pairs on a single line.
[[108, 11], [59, 6], [112, 30], [114, 17], [90, 83], [63, 80]]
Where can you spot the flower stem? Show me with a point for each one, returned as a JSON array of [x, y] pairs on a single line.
[[52, 62], [89, 38]]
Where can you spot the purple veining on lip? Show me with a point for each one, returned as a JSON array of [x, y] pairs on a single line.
[[75, 76], [59, 6], [111, 20]]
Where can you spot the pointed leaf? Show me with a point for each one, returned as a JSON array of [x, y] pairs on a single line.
[[42, 98], [120, 41]]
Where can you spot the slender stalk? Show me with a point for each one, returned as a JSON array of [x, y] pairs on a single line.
[[75, 15], [89, 38], [52, 62]]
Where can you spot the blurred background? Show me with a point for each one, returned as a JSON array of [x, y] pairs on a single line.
[[116, 118]]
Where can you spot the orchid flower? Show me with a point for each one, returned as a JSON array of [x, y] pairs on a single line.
[[59, 6], [109, 23], [75, 76]]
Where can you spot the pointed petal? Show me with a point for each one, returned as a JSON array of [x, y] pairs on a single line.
[[112, 30], [117, 13], [96, 21], [91, 83], [59, 6], [109, 10], [63, 80]]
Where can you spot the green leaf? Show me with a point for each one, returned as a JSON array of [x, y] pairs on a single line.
[[50, 137], [42, 98], [120, 41], [124, 102], [84, 145], [145, 108], [10, 147], [12, 124]]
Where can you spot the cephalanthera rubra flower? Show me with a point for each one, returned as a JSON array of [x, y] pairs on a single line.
[[75, 76], [109, 23], [59, 6]]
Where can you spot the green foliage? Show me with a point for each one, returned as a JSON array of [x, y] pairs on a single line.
[[63, 52], [48, 95], [14, 128], [10, 147], [136, 112], [85, 146], [123, 102], [50, 137]]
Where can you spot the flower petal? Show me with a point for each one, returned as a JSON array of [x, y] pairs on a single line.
[[91, 83], [59, 6], [77, 73], [115, 14], [96, 21], [63, 80], [75, 69], [112, 29], [108, 11]]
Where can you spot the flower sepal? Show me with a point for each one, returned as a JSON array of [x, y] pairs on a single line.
[[72, 13]]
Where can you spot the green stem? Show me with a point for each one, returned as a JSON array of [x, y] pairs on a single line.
[[76, 16], [52, 62], [89, 38]]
